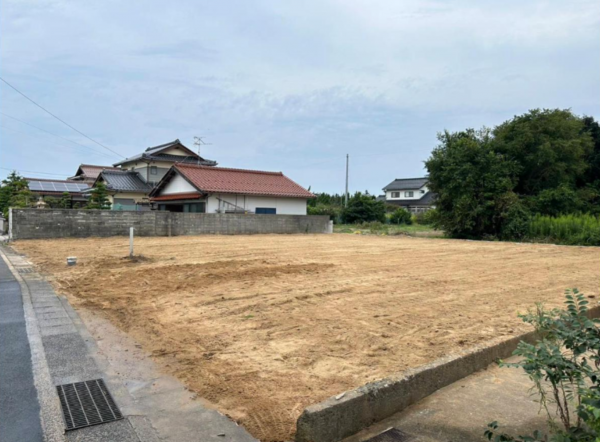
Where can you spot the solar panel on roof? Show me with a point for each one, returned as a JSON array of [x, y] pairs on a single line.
[[35, 185], [56, 186]]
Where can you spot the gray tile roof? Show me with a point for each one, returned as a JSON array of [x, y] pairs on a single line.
[[153, 154], [406, 184], [125, 181]]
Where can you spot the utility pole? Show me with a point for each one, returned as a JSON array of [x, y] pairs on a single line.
[[346, 194]]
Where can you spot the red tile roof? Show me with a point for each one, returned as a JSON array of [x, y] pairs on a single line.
[[241, 181], [177, 196]]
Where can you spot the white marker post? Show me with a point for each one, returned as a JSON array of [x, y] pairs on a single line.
[[131, 242]]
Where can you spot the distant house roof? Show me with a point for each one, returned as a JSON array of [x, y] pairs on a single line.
[[237, 181], [45, 186], [155, 154], [124, 181], [406, 184], [88, 172]]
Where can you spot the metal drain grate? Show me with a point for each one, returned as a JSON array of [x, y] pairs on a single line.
[[87, 403], [391, 435], [25, 269]]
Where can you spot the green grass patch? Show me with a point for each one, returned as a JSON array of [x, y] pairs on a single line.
[[375, 228], [582, 229]]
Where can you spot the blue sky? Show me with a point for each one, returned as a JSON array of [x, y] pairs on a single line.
[[285, 85]]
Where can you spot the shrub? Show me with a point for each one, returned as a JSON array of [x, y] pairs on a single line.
[[401, 216], [563, 366], [582, 229], [334, 212], [363, 208], [426, 218]]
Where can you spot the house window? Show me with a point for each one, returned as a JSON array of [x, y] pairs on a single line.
[[395, 194], [265, 211], [409, 193], [153, 170], [194, 207], [422, 192]]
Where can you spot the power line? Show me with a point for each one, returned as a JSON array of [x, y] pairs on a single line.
[[62, 121], [33, 171], [50, 133], [53, 143]]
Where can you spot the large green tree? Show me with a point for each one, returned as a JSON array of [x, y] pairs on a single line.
[[489, 182], [549, 146], [473, 183], [14, 192]]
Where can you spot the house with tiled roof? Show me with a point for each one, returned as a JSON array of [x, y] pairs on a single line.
[[126, 189], [410, 193], [208, 189], [89, 172], [154, 162]]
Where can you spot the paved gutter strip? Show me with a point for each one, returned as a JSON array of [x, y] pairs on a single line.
[[59, 356]]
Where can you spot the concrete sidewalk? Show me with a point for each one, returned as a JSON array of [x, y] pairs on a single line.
[[19, 406], [62, 350], [461, 411]]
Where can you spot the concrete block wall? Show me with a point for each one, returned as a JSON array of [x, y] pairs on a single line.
[[67, 223]]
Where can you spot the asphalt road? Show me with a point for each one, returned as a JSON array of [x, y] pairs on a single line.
[[19, 406]]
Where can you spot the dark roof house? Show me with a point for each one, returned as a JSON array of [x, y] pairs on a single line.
[[158, 153], [406, 184], [410, 193], [123, 181]]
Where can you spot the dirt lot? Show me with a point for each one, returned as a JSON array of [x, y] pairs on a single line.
[[265, 325]]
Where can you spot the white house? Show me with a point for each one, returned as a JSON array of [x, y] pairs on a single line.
[[209, 189], [154, 162], [410, 193]]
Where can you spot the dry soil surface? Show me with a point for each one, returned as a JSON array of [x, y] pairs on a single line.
[[265, 325]]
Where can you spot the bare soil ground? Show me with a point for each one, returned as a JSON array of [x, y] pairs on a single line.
[[265, 325]]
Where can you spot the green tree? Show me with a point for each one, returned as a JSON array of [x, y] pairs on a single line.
[[14, 192], [363, 208], [473, 184], [549, 146], [98, 198], [65, 201], [592, 175]]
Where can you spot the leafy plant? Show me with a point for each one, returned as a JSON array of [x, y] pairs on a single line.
[[401, 216], [563, 365]]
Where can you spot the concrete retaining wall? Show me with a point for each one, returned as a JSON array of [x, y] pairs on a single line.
[[333, 420], [66, 223]]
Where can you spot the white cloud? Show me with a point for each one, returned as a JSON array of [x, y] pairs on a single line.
[[284, 85]]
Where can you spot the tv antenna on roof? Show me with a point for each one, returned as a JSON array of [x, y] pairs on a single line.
[[198, 141]]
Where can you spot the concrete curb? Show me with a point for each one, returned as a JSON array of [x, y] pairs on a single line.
[[335, 419]]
